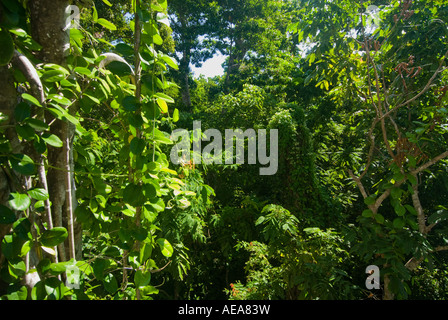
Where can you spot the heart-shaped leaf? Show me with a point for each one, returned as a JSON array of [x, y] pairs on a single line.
[[19, 201]]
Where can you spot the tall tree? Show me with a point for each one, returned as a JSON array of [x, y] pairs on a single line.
[[396, 75], [191, 24]]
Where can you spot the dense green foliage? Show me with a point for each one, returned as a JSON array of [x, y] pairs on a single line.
[[358, 97]]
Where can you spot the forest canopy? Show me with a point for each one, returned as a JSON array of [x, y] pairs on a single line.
[[314, 168]]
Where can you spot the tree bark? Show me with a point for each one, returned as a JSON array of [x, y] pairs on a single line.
[[48, 21], [184, 63]]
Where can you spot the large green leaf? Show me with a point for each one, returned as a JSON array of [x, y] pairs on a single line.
[[53, 76], [54, 288], [22, 164], [22, 111], [142, 278], [6, 47], [52, 140], [110, 283], [31, 99], [17, 270], [107, 24], [137, 146], [133, 194], [130, 103], [165, 247], [19, 201], [37, 124], [38, 193], [145, 252], [53, 237]]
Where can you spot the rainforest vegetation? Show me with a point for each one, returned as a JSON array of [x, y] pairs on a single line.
[[93, 207]]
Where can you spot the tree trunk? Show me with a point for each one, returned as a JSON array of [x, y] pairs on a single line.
[[184, 64], [48, 21], [387, 294]]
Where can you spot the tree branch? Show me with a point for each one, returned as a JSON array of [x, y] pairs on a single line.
[[430, 163], [427, 86]]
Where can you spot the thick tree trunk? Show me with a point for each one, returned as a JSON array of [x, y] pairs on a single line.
[[236, 56], [186, 98], [48, 22], [184, 64]]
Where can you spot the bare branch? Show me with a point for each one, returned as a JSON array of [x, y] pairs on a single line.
[[430, 163], [426, 88], [29, 71]]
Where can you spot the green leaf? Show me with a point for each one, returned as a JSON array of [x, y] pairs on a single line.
[[142, 278], [17, 292], [76, 37], [7, 216], [38, 194], [25, 131], [22, 164], [31, 99], [52, 140], [367, 213], [110, 283], [162, 104], [379, 218], [6, 47], [59, 99], [37, 124], [83, 71], [22, 111], [159, 206], [398, 223], [49, 250], [53, 237], [145, 252], [370, 200], [133, 195], [108, 3], [396, 192], [124, 49], [54, 288], [137, 146], [53, 76], [19, 201], [99, 266], [411, 209], [94, 99], [149, 190], [17, 270], [130, 103], [19, 32], [399, 210], [157, 39], [165, 247], [164, 97], [26, 247], [112, 251], [175, 115], [57, 67], [38, 291], [119, 68], [438, 216], [107, 24]]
